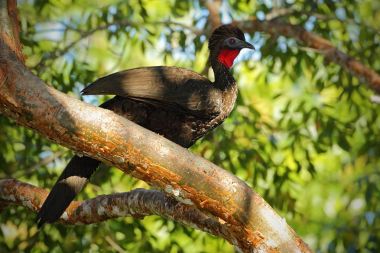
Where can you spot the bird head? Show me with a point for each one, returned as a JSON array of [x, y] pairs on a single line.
[[225, 44]]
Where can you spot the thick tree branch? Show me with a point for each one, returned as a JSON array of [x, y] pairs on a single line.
[[137, 203], [10, 27], [103, 135], [312, 40], [145, 155]]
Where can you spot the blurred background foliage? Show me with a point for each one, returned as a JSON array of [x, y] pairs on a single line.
[[304, 134]]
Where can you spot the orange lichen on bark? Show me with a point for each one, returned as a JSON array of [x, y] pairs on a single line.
[[232, 204]]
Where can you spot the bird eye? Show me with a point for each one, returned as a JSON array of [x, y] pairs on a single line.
[[232, 41]]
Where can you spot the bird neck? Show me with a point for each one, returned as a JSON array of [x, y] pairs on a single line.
[[223, 78]]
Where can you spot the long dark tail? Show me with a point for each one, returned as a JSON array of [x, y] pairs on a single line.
[[68, 185]]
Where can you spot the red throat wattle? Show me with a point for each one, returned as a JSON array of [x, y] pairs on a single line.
[[227, 57]]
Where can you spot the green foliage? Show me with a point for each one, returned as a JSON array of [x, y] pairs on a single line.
[[304, 133]]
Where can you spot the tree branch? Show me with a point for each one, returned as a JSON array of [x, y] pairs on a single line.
[[213, 7], [85, 34], [214, 21], [45, 161], [103, 135], [323, 46], [137, 203], [271, 26], [10, 27]]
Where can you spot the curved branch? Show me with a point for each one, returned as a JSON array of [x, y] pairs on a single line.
[[103, 135], [10, 26], [271, 26], [323, 46], [137, 203]]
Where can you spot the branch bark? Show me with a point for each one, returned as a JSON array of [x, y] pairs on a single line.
[[137, 203], [271, 26], [312, 40], [145, 155], [213, 7], [248, 219], [10, 27]]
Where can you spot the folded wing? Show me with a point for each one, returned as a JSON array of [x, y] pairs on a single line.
[[177, 88]]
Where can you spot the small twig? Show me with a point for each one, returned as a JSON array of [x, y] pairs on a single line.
[[85, 34], [312, 40], [192, 29], [114, 245], [39, 164], [279, 13]]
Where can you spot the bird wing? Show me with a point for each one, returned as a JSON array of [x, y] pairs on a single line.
[[176, 88]]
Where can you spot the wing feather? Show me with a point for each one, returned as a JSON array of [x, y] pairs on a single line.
[[167, 86]]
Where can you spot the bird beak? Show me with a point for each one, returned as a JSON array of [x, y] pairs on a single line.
[[243, 44]]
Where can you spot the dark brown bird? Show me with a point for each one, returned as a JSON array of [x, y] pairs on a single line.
[[174, 102]]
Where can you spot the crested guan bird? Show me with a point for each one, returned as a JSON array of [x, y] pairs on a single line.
[[174, 102]]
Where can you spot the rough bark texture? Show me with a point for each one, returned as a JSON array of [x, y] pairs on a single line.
[[312, 40], [9, 26], [137, 203], [250, 223], [241, 216], [145, 155]]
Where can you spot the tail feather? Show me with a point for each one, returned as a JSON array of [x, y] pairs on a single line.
[[69, 184]]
